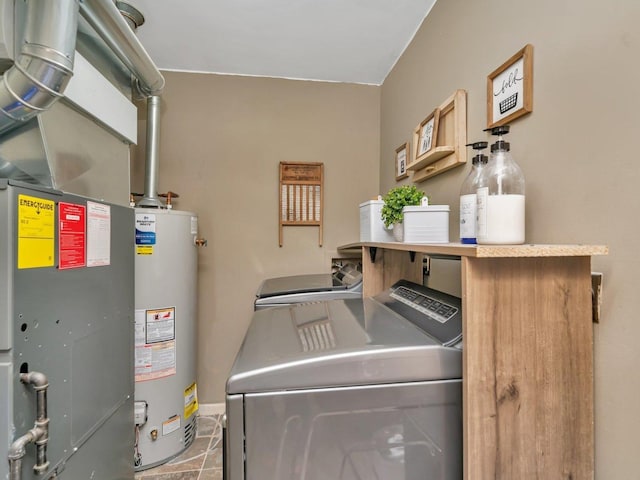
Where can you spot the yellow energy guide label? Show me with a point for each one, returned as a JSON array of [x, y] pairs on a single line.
[[36, 232]]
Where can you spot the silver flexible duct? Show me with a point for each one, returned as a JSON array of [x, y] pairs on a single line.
[[44, 66], [106, 20]]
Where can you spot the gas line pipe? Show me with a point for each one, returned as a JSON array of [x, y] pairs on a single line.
[[39, 434]]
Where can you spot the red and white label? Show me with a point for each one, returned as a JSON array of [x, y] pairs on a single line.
[[72, 236]]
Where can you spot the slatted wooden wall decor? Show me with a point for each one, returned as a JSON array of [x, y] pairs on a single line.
[[301, 196]]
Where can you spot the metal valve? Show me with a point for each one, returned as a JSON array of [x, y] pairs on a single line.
[[169, 195]]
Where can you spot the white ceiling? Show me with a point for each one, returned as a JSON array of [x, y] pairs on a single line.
[[356, 41]]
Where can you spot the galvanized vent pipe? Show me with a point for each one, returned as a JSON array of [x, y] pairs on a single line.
[[132, 15], [44, 65], [150, 198], [106, 20]]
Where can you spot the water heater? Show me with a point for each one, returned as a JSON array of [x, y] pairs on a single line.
[[166, 401]]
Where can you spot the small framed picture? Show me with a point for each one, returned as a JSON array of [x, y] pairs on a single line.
[[426, 134], [510, 89], [402, 158]]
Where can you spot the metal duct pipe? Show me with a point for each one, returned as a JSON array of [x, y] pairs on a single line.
[[132, 15], [150, 198], [106, 20], [44, 66]]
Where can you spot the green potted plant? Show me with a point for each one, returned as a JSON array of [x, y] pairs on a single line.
[[394, 201]]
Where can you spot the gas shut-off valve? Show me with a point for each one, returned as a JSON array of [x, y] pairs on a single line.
[[140, 412]]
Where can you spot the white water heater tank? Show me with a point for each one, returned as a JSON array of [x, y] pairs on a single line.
[[166, 402]]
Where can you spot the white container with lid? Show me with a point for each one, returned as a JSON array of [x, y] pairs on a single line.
[[372, 227], [426, 223]]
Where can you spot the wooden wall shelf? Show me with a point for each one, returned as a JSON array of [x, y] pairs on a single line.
[[433, 156], [451, 140], [528, 353]]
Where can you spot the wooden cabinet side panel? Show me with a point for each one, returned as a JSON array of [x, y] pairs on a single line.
[[528, 369], [399, 266], [389, 267], [372, 272]]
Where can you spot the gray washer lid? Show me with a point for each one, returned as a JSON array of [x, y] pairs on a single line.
[[318, 282], [337, 343]]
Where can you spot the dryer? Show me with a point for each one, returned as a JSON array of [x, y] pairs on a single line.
[[349, 389], [346, 282]]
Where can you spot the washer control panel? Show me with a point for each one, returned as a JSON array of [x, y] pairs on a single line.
[[434, 312], [436, 309]]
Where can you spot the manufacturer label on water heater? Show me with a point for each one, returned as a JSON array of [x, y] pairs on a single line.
[[145, 229]]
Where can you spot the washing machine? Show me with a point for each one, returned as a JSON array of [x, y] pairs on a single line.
[[346, 282], [349, 389]]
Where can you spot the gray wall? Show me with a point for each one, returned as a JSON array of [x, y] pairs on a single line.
[[576, 150]]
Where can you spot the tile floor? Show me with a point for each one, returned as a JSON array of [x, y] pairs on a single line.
[[201, 461]]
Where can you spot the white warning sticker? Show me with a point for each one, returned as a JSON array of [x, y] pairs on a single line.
[[98, 234], [155, 345], [171, 425]]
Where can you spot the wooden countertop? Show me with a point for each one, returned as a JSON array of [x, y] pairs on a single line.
[[488, 251]]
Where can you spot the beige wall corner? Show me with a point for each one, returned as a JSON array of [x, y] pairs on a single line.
[[222, 138]]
